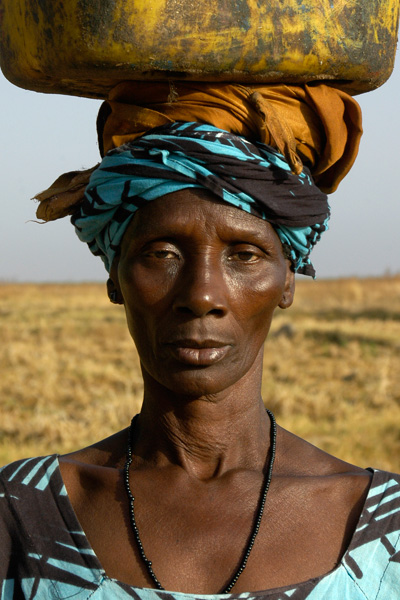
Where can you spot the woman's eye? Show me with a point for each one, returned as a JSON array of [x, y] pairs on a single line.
[[248, 256], [161, 254], [164, 254]]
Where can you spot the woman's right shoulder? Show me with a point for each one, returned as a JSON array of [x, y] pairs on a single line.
[[109, 452], [42, 543], [23, 471], [27, 491], [28, 485]]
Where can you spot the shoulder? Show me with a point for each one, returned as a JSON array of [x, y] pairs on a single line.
[[303, 461], [24, 505], [373, 559], [311, 469], [42, 542], [29, 472], [26, 486], [110, 452], [29, 490], [365, 503], [94, 471], [382, 507], [328, 492]]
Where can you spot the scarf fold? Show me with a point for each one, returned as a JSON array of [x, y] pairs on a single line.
[[314, 125], [318, 124]]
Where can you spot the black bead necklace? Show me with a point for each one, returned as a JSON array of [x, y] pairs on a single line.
[[257, 521]]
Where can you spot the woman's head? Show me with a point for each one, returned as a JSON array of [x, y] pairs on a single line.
[[165, 157], [195, 225], [200, 281]]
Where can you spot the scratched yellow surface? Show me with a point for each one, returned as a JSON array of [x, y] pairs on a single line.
[[84, 47]]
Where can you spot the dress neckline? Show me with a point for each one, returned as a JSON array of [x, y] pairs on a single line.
[[74, 524]]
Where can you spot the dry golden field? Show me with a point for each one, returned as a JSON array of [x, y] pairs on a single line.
[[69, 374]]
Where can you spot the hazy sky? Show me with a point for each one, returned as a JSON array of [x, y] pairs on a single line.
[[46, 135]]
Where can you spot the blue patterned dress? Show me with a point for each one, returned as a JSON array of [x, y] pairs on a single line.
[[44, 554]]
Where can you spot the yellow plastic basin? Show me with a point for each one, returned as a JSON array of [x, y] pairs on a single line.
[[84, 47]]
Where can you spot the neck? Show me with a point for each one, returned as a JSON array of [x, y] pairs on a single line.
[[206, 435]]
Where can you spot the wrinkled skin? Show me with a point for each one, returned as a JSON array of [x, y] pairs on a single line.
[[200, 273], [200, 281]]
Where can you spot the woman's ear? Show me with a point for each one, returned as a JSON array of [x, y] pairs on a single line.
[[288, 293], [113, 288]]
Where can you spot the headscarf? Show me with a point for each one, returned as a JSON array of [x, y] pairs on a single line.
[[316, 125], [253, 177]]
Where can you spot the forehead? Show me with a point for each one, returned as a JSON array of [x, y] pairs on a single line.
[[190, 210]]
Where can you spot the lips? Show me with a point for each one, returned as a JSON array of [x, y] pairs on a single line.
[[197, 343], [196, 352]]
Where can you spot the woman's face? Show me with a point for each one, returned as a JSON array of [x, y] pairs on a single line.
[[200, 281]]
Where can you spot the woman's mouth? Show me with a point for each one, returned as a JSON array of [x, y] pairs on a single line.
[[199, 353]]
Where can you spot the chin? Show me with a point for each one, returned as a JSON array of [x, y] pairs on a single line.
[[197, 382]]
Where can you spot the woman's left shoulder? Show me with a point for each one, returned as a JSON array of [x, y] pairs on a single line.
[[341, 487], [373, 558], [304, 459]]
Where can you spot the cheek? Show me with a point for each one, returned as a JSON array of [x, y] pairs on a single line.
[[257, 298], [260, 301], [143, 289], [146, 298]]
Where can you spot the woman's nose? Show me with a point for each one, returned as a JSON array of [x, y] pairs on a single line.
[[202, 290]]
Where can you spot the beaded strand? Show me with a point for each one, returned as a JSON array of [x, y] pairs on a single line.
[[131, 499], [257, 521]]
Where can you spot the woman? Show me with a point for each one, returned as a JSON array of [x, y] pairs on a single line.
[[201, 232]]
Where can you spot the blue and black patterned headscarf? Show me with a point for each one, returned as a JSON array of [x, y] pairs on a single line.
[[253, 177]]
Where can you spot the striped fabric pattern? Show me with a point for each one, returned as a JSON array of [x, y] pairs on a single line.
[[45, 554], [252, 177]]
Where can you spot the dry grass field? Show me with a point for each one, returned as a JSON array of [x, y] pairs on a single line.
[[69, 374]]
